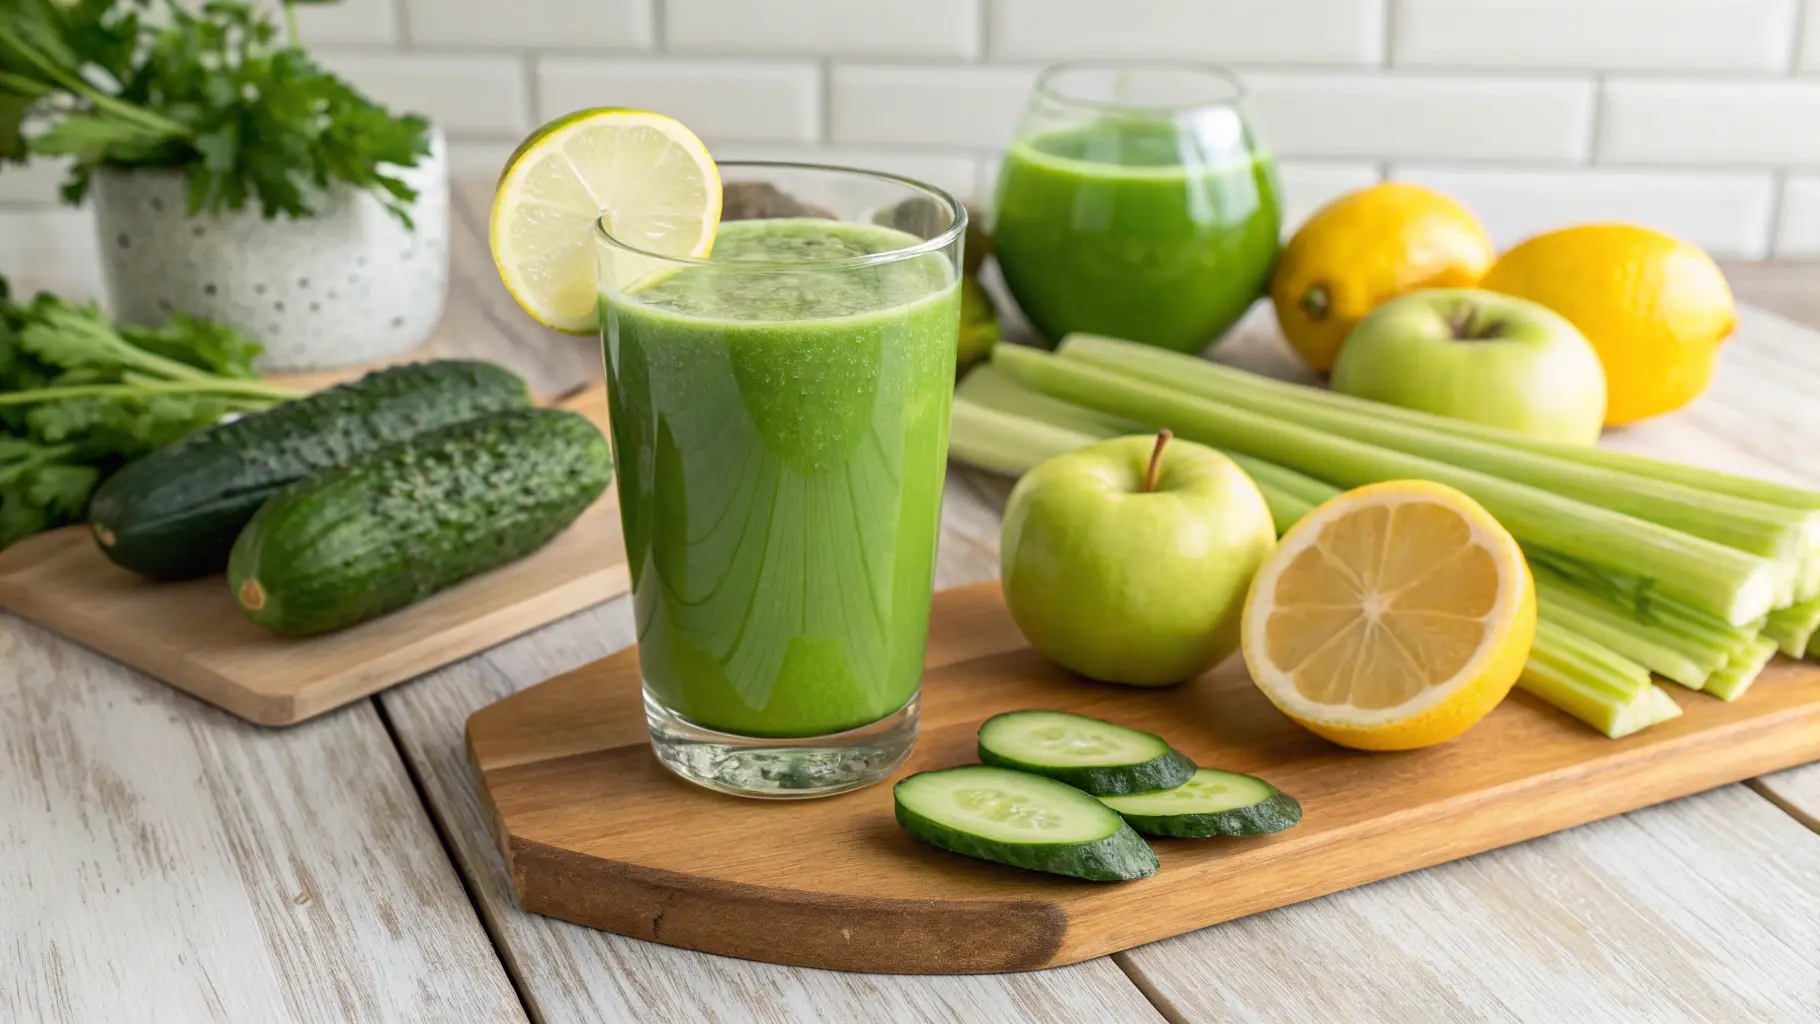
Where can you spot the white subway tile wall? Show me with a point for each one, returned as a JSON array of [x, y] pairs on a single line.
[[554, 24], [746, 101], [1706, 122], [928, 105], [49, 249], [1799, 231], [1417, 115], [874, 28], [481, 94], [1810, 45], [1699, 116], [348, 21], [1349, 32], [1728, 212], [1596, 35], [1308, 185], [32, 184]]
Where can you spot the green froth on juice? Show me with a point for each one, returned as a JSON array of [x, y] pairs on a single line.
[[781, 437], [1126, 227]]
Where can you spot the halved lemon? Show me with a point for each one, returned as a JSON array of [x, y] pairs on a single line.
[[1392, 617], [649, 176]]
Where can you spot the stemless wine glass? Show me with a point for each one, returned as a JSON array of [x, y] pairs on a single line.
[[780, 428], [1137, 202]]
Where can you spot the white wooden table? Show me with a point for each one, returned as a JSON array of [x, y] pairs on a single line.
[[162, 861]]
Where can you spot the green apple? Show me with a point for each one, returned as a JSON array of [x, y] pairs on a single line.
[[1128, 561], [1480, 356]]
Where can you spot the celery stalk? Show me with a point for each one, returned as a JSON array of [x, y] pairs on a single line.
[[1730, 682], [1286, 509], [989, 387], [1793, 628], [1570, 648], [1003, 443], [1664, 661], [1639, 597], [1591, 699], [1630, 639], [1701, 479], [1309, 490], [1734, 585], [1761, 529], [1708, 650]]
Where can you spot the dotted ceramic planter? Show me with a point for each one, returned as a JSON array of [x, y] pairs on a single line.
[[348, 285]]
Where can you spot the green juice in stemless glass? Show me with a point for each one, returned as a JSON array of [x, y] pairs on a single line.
[[780, 428], [1137, 202]]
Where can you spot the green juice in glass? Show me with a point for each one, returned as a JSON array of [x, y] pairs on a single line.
[[781, 438], [1124, 227]]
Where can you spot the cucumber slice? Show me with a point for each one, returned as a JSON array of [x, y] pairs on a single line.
[[1102, 758], [1022, 820], [1213, 803]]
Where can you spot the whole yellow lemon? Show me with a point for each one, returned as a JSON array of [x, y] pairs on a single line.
[[1364, 249], [1654, 307]]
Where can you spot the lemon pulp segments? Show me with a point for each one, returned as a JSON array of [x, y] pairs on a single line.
[[646, 174], [1396, 615]]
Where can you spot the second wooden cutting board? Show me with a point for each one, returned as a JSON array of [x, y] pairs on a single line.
[[193, 636]]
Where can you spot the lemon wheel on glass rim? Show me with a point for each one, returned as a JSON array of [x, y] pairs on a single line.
[[649, 177]]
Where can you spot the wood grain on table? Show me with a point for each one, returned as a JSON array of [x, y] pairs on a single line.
[[163, 861], [160, 861]]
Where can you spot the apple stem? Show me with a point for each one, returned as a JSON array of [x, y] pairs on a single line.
[[1156, 460]]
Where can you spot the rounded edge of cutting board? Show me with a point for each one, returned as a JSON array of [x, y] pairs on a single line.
[[798, 928], [595, 831]]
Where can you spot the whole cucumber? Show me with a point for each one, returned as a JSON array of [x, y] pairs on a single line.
[[175, 513], [381, 533]]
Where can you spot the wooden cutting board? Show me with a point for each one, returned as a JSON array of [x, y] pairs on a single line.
[[193, 636], [596, 832]]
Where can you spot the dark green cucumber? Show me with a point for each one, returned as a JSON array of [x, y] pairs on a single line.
[[1023, 820], [370, 537], [1102, 758], [1213, 803], [175, 513]]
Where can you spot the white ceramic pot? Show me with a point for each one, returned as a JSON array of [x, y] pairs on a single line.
[[348, 285]]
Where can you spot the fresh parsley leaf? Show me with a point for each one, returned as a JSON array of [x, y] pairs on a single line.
[[80, 397], [19, 517], [63, 490], [204, 344], [39, 490], [13, 108], [248, 116], [124, 428], [70, 337]]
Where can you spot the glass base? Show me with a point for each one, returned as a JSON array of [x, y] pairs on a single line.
[[778, 768]]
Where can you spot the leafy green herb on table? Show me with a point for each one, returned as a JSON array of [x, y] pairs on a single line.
[[80, 397], [216, 93]]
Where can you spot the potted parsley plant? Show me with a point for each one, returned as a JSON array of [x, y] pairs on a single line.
[[233, 178]]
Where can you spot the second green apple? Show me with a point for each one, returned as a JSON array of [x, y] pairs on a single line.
[[1128, 561], [1480, 356]]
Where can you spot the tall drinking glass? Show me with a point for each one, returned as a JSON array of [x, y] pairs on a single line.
[[780, 428], [1137, 202]]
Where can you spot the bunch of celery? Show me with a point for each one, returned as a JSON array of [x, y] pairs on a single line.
[[1641, 566]]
